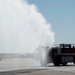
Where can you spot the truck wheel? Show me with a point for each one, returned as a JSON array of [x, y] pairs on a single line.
[[64, 64], [56, 64]]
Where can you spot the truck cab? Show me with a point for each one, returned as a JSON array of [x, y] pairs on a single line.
[[63, 54]]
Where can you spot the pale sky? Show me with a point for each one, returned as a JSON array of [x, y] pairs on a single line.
[[61, 14]]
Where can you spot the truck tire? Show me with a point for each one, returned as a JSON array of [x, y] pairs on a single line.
[[74, 63], [64, 64], [56, 64]]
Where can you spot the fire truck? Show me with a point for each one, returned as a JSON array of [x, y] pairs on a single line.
[[58, 55]]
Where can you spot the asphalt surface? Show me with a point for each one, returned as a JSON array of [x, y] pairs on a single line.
[[32, 67]]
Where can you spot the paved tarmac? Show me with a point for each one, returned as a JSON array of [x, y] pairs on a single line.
[[24, 67], [17, 63]]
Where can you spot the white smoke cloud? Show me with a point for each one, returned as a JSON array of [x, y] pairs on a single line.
[[22, 27]]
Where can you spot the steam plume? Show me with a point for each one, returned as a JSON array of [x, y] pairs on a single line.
[[22, 27]]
